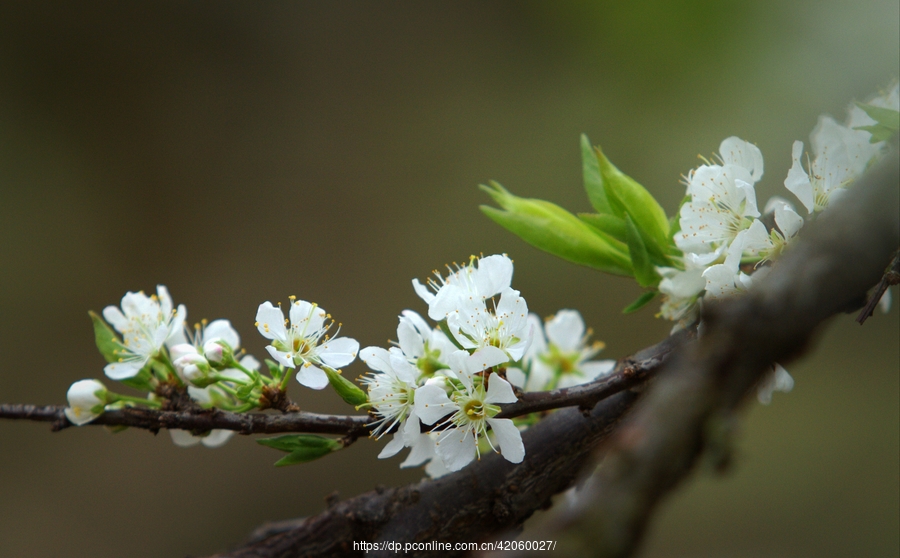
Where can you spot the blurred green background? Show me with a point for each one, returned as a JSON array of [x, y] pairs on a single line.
[[240, 152]]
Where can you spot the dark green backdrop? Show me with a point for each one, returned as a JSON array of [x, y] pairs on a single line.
[[241, 152]]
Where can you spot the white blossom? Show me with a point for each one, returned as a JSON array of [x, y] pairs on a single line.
[[769, 244], [562, 358], [723, 200], [471, 410], [87, 399], [391, 388], [505, 327], [304, 343], [492, 275], [146, 324]]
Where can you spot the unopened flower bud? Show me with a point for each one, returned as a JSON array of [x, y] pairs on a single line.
[[180, 350], [86, 401], [215, 352], [192, 368]]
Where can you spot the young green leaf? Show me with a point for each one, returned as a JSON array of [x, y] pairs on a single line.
[[887, 122], [553, 229], [641, 301], [301, 447], [348, 391], [593, 182], [648, 216], [609, 224], [640, 260], [106, 339]]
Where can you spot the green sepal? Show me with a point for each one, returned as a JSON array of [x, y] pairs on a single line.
[[641, 301], [608, 223], [301, 447], [275, 369], [640, 260], [649, 217], [551, 228], [348, 391], [593, 181], [108, 342]]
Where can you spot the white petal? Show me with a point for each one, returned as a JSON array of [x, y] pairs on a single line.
[[221, 330], [165, 300], [270, 322], [392, 448], [123, 370], [216, 438], [788, 221], [499, 391], [306, 316], [566, 329], [456, 448], [516, 377], [736, 151], [283, 358], [884, 303], [339, 352], [422, 451], [484, 358], [376, 358], [114, 316], [411, 341], [509, 439], [432, 404], [797, 180], [493, 275], [311, 376], [422, 291], [183, 438]]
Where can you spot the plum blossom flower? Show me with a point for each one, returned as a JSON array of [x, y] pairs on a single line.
[[723, 200], [391, 388], [841, 153], [475, 327], [471, 410], [146, 324], [305, 343], [769, 244], [562, 358], [86, 398], [725, 279], [425, 347], [492, 275]]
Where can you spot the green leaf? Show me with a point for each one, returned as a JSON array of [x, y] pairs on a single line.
[[301, 447], [878, 132], [553, 229], [348, 391], [593, 182], [640, 260], [648, 216], [889, 118], [641, 301], [107, 340], [887, 122], [609, 224]]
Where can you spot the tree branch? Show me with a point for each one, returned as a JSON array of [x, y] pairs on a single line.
[[628, 373]]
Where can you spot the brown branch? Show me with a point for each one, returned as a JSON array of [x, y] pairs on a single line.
[[490, 496], [629, 372], [689, 409], [891, 277]]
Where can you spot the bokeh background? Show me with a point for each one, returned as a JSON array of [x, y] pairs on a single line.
[[239, 152]]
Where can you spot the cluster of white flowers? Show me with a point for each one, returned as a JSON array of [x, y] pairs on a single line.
[[724, 240], [453, 377], [151, 347]]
